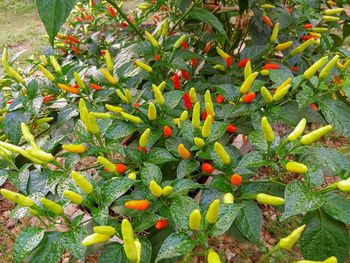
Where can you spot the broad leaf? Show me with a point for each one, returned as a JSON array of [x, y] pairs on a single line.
[[112, 189], [151, 172], [338, 207], [181, 208]]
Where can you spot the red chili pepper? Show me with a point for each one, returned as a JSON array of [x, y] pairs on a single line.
[[121, 168], [236, 179], [185, 74], [155, 19], [111, 11], [204, 115], [88, 17], [271, 66], [187, 101], [194, 62], [157, 57], [304, 38], [219, 99], [75, 49], [103, 52], [75, 86], [243, 62], [314, 106], [207, 168], [229, 61], [290, 10], [167, 131], [92, 2], [207, 47], [48, 98], [184, 45], [176, 81], [249, 97], [231, 128], [307, 26], [79, 19], [73, 39], [267, 20], [66, 41], [294, 68], [123, 24], [139, 148], [131, 18], [9, 102], [160, 224], [95, 86], [136, 104]]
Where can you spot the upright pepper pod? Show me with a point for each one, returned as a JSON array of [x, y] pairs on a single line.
[[193, 95], [299, 129], [46, 73], [281, 93], [195, 218], [129, 241], [302, 47], [284, 46], [15, 75], [105, 230], [212, 214], [184, 115], [267, 130], [288, 242], [183, 152], [151, 39], [310, 72], [265, 93], [199, 142], [155, 188], [315, 135], [108, 76], [107, 164], [144, 138], [5, 59], [128, 96], [83, 184], [158, 95], [344, 185], [187, 101], [93, 127], [221, 152], [247, 70], [206, 127], [17, 198], [131, 117], [94, 238], [167, 131], [152, 112], [139, 205], [274, 33], [269, 199], [55, 64], [179, 42], [328, 68], [213, 257], [121, 95], [285, 83], [167, 190], [52, 206], [73, 197], [28, 136], [296, 167], [109, 62], [162, 86], [222, 53], [144, 66], [247, 84], [228, 198]]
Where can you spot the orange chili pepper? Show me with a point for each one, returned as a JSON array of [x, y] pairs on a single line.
[[68, 88], [137, 204], [267, 20]]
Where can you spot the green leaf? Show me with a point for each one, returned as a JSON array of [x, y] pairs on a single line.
[[53, 14], [205, 16], [172, 98], [160, 155], [112, 253], [228, 213], [218, 129], [186, 167], [72, 240], [176, 244], [146, 251], [181, 208], [299, 200], [257, 139], [182, 186], [151, 172], [324, 237], [338, 207], [28, 239], [337, 113], [119, 130], [12, 125], [100, 215], [221, 182], [114, 188], [249, 221]]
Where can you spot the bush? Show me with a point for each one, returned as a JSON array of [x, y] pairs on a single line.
[[164, 135]]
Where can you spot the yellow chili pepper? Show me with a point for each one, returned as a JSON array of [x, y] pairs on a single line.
[[41, 155], [143, 66], [267, 130], [207, 97], [219, 67], [108, 76], [73, 197], [102, 115], [184, 115], [183, 152], [17, 198], [82, 182], [55, 64], [328, 68], [121, 95], [315, 135], [333, 11], [155, 188], [94, 238], [109, 62], [247, 84], [28, 136], [46, 73], [299, 129], [210, 109], [328, 260], [107, 164], [79, 81], [52, 206], [151, 39], [105, 230], [130, 117], [167, 190], [310, 72], [302, 47], [265, 93], [274, 33], [195, 218], [285, 83], [269, 199], [93, 127], [296, 167], [265, 72], [162, 86], [15, 75], [152, 112], [280, 94], [193, 96], [222, 53], [221, 152], [319, 29], [344, 185], [330, 18], [288, 242], [144, 138], [228, 198], [213, 257], [199, 142], [212, 214], [44, 120], [284, 46], [247, 69], [179, 42], [129, 241], [158, 95], [267, 6], [206, 127], [5, 59], [114, 108]]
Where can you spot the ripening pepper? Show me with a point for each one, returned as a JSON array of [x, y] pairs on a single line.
[[302, 47], [109, 62], [209, 108], [183, 152], [144, 66], [108, 76], [328, 68], [299, 129], [193, 96], [73, 197], [167, 131], [105, 230], [221, 152], [167, 190], [55, 64], [207, 168], [212, 214], [247, 69], [196, 115], [248, 97], [158, 95], [269, 199], [74, 148], [332, 259], [222, 53], [40, 155], [316, 66], [68, 88], [107, 164], [267, 130], [199, 142], [131, 117], [296, 167], [265, 93], [179, 42], [137, 204], [288, 242], [17, 198], [82, 182], [315, 135], [243, 62], [267, 6], [195, 218], [274, 33], [28, 136], [281, 93], [344, 185], [236, 179], [144, 138], [52, 206], [114, 108], [94, 238], [46, 73], [161, 224], [129, 241], [162, 86], [206, 127], [151, 39], [284, 46], [231, 128], [155, 188], [213, 257], [265, 72], [267, 21], [92, 126], [152, 112], [247, 84], [132, 175], [228, 198]]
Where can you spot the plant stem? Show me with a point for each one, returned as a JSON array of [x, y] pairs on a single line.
[[126, 18], [193, 4]]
